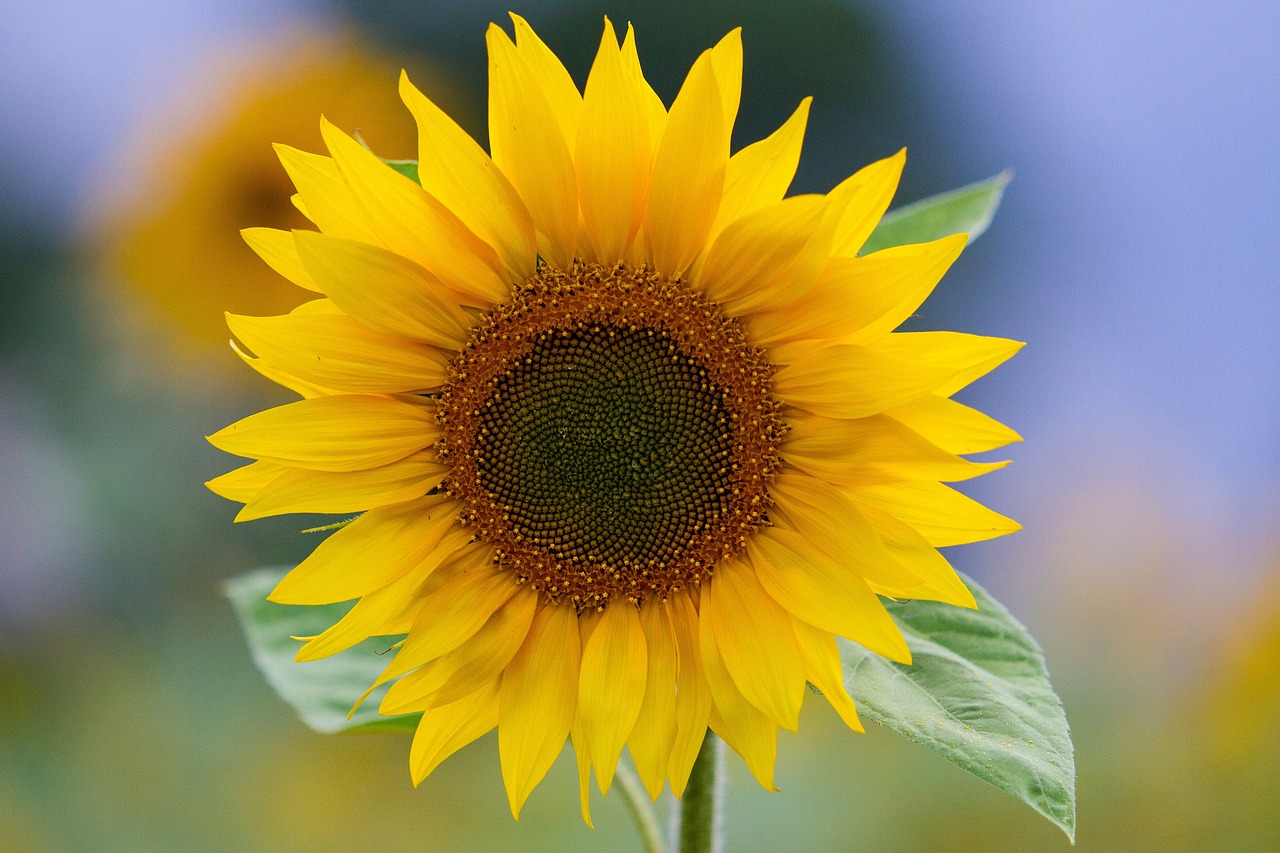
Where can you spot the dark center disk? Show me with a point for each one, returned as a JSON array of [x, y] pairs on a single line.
[[606, 444]]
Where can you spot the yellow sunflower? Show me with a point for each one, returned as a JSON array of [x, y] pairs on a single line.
[[631, 433]]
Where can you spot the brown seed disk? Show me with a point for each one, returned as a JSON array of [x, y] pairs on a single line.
[[611, 433]]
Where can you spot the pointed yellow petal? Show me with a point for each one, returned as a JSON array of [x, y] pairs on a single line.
[[529, 146], [726, 61], [759, 175], [693, 695], [306, 390], [823, 668], [859, 300], [300, 490], [454, 611], [938, 581], [538, 701], [866, 451], [582, 755], [243, 483], [744, 727], [953, 426], [851, 381], [412, 223], [757, 644], [968, 356], [370, 552], [349, 432], [325, 196], [336, 352], [811, 587], [655, 729], [470, 666], [688, 172], [748, 264], [457, 172], [614, 664], [939, 513], [277, 249], [614, 155], [869, 191], [383, 290], [364, 619], [654, 110], [558, 89], [443, 731]]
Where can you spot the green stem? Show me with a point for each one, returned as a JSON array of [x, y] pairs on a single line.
[[699, 829], [641, 808]]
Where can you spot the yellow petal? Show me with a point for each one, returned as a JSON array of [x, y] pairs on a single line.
[[743, 726], [243, 483], [939, 513], [334, 351], [558, 89], [383, 290], [416, 225], [851, 381], [968, 356], [823, 668], [693, 695], [953, 426], [757, 644], [538, 701], [748, 265], [454, 611], [759, 175], [443, 731], [655, 729], [726, 61], [457, 172], [277, 249], [349, 432], [688, 172], [306, 390], [938, 581], [529, 146], [467, 668], [364, 619], [582, 755], [325, 197], [859, 300], [869, 191], [369, 553], [655, 112], [614, 155], [875, 449], [300, 490], [614, 664], [810, 586]]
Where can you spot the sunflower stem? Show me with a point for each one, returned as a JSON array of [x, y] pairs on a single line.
[[698, 820], [641, 808]]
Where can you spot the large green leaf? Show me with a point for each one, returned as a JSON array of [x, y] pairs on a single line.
[[323, 691], [966, 210], [979, 694]]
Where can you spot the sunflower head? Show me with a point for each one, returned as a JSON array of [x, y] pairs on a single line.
[[629, 431]]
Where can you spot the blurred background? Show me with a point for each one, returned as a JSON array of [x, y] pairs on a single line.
[[1136, 251]]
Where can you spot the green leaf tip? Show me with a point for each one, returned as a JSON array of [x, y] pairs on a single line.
[[408, 168], [967, 210], [323, 691], [978, 693]]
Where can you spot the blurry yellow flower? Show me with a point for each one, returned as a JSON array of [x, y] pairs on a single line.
[[176, 244], [631, 432]]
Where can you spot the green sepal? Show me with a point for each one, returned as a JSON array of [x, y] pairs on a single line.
[[966, 210], [408, 168], [322, 691], [978, 693]]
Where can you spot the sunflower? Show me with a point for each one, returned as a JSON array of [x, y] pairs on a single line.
[[630, 433]]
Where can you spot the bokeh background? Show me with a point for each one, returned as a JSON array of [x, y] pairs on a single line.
[[1136, 251]]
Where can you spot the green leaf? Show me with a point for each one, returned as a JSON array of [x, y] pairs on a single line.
[[966, 210], [978, 693], [408, 168], [323, 691]]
